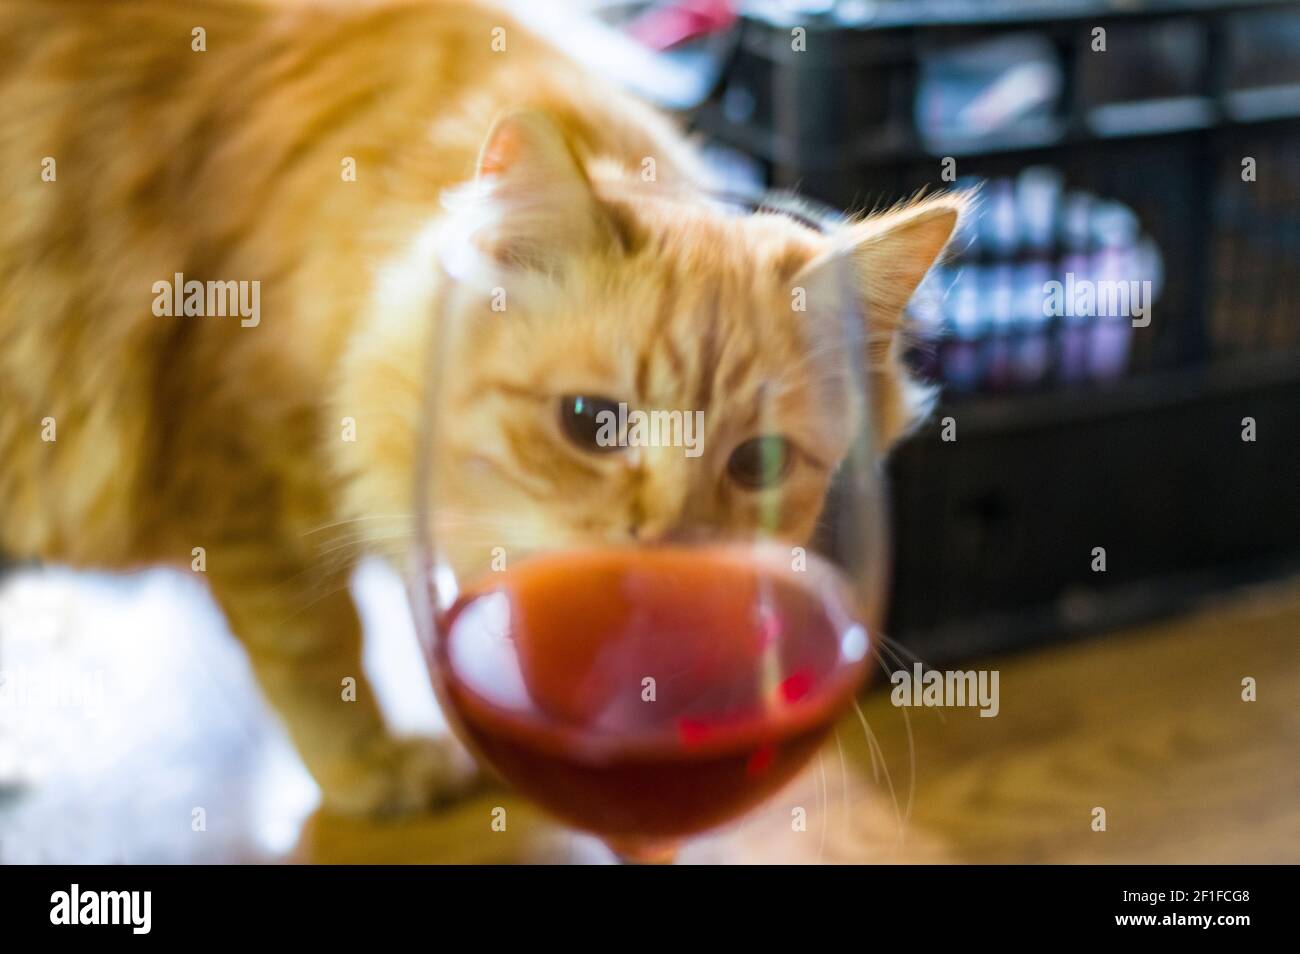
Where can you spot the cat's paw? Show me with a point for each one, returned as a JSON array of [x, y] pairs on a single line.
[[396, 776]]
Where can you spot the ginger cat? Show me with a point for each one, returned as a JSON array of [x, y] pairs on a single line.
[[212, 139]]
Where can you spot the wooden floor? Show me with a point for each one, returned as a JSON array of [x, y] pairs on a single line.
[[1147, 724]]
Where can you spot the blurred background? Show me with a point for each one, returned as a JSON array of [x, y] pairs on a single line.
[[1156, 142]]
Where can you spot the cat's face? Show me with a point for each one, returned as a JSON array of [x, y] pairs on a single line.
[[650, 369]]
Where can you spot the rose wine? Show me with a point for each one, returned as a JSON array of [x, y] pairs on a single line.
[[646, 695]]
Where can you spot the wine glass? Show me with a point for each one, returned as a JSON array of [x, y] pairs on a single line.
[[646, 671]]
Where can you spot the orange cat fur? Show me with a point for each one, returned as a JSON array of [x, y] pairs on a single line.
[[225, 164]]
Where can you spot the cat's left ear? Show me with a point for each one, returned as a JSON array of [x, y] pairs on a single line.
[[891, 253], [886, 257], [543, 204]]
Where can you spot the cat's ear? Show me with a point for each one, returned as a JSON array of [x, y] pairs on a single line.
[[543, 205], [891, 254], [886, 257]]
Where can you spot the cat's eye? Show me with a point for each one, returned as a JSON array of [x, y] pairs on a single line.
[[761, 462], [591, 423]]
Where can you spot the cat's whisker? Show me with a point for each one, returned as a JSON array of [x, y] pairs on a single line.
[[896, 649], [911, 760], [491, 529], [875, 761], [387, 528], [899, 648], [361, 542], [884, 644], [874, 745], [351, 520]]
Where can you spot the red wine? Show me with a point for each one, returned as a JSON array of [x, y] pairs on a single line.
[[646, 695]]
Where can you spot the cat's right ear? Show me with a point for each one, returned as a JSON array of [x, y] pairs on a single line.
[[543, 207]]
